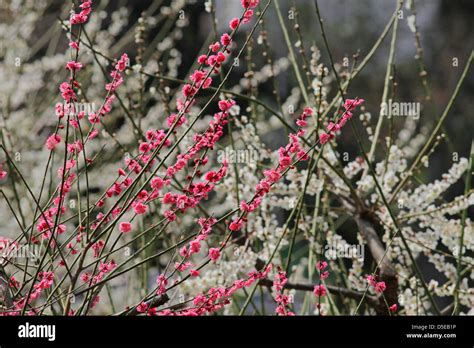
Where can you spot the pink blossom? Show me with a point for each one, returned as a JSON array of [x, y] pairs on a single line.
[[157, 183], [140, 208], [302, 156], [247, 16], [73, 66], [234, 23], [93, 118], [74, 45], [249, 3], [225, 105], [172, 119], [214, 47], [170, 215], [214, 253], [122, 63], [197, 76], [168, 198], [324, 275], [202, 59], [195, 246], [380, 287], [225, 39], [161, 281], [181, 267], [85, 277], [320, 290], [321, 265], [323, 138], [284, 159], [93, 134], [236, 225], [353, 103], [53, 141], [220, 57], [207, 83], [67, 92], [307, 111], [144, 147], [272, 175], [301, 123], [125, 227], [142, 307], [371, 280]]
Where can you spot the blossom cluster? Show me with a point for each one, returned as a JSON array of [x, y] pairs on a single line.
[[332, 128], [281, 299]]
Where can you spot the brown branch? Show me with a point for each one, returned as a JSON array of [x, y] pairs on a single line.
[[448, 310], [355, 295], [5, 294], [387, 272], [153, 303]]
